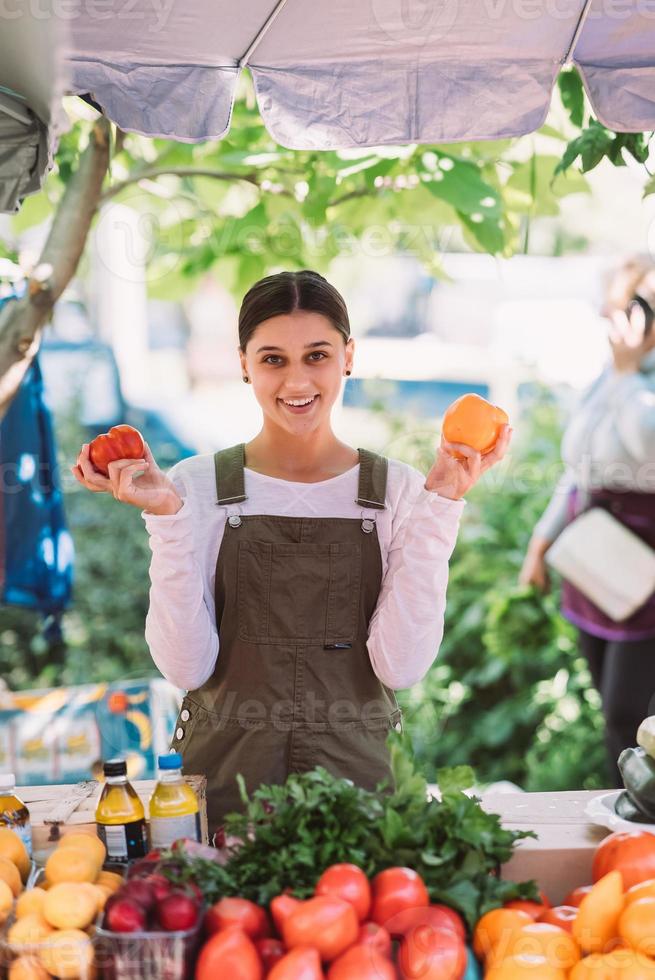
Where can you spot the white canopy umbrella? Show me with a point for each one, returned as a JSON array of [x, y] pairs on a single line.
[[351, 73]]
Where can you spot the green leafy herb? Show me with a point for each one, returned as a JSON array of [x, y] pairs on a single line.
[[292, 832]]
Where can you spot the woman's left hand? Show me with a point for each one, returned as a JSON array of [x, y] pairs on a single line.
[[452, 477]]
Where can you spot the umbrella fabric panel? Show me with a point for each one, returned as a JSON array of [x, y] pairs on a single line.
[[616, 58], [24, 153]]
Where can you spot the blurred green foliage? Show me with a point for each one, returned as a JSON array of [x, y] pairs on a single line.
[[508, 693]]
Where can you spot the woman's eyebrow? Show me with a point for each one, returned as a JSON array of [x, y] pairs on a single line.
[[316, 343]]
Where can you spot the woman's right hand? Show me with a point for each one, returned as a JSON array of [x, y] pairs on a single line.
[[535, 570], [139, 482]]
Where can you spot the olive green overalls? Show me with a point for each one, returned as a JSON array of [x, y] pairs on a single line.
[[293, 686]]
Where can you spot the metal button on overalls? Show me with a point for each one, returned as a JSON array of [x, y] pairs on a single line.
[[293, 686]]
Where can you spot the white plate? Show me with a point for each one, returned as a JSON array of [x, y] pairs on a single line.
[[600, 810]]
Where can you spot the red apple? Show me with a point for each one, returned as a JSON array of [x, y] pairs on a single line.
[[177, 912], [124, 915]]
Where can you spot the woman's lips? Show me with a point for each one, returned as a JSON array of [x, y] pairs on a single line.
[[300, 409]]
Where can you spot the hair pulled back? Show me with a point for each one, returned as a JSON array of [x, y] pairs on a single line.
[[286, 292]]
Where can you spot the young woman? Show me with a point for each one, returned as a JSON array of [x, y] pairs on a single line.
[[296, 581]]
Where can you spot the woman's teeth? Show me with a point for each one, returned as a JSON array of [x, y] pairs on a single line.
[[298, 402]]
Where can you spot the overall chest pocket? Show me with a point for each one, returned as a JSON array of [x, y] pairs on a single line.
[[299, 593]]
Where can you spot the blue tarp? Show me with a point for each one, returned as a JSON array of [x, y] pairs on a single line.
[[36, 549]]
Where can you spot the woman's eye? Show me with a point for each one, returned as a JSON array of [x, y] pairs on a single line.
[[267, 360], [319, 354]]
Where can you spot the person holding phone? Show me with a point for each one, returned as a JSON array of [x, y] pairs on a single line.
[[609, 451], [297, 582]]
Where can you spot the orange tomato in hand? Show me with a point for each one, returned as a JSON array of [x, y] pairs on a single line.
[[631, 852], [348, 882], [475, 422], [121, 442]]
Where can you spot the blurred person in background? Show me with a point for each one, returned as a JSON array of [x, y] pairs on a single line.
[[608, 449]]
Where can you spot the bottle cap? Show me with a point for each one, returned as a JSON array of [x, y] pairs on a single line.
[[7, 781], [173, 760], [115, 767]]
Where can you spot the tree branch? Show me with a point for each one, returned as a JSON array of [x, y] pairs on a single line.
[[22, 321], [154, 172]]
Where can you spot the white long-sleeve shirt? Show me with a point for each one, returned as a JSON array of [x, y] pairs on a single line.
[[609, 442], [417, 533]]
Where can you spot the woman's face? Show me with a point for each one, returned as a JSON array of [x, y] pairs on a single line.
[[297, 357]]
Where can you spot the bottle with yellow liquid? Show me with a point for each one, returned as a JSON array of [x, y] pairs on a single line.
[[174, 811], [13, 813], [120, 817]]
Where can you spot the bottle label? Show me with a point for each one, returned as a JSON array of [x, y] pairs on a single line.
[[22, 830], [165, 830], [124, 841]]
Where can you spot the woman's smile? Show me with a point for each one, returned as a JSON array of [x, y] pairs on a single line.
[[299, 406]]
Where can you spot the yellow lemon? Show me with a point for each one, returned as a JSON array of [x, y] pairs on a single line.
[[29, 930], [109, 879], [70, 864], [70, 905], [89, 843], [30, 901], [10, 873], [27, 968], [67, 954], [6, 901], [12, 847]]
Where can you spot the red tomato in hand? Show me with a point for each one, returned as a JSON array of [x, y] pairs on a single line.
[[362, 963], [371, 934], [328, 924], [229, 954], [437, 916], [250, 918], [631, 852], [303, 963], [349, 882], [560, 915], [270, 951], [575, 897], [281, 908], [431, 954], [121, 442], [395, 890]]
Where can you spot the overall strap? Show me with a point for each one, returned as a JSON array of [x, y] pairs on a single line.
[[372, 479], [230, 483]]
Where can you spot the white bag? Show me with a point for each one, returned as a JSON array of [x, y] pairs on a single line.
[[606, 561]]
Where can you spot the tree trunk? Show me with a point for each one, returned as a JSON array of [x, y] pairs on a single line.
[[22, 321]]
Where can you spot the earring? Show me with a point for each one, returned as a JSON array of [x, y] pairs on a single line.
[[245, 378], [348, 372]]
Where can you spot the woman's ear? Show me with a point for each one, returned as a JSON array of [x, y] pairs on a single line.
[[350, 350], [242, 359]]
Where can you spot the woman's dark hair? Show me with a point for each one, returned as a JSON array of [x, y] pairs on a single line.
[[286, 292]]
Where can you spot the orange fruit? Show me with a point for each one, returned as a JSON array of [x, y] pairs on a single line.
[[70, 905], [30, 901], [596, 924], [494, 931], [89, 843], [10, 873], [474, 421], [637, 925], [644, 889], [12, 847], [27, 968], [555, 944], [70, 864], [110, 880], [67, 954], [523, 967]]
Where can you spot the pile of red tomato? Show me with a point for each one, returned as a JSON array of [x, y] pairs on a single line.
[[344, 932]]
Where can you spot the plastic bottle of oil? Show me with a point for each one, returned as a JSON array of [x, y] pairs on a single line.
[[174, 811], [120, 818], [13, 812]]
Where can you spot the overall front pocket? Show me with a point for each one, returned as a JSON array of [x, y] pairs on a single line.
[[299, 593]]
